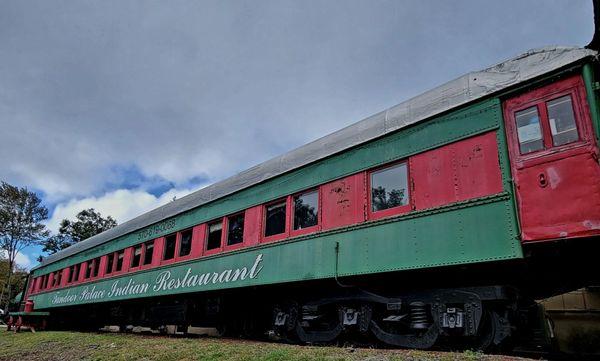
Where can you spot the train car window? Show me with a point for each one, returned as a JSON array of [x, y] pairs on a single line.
[[235, 229], [170, 243], [389, 187], [96, 267], [306, 210], [88, 269], [148, 252], [73, 273], [137, 256], [215, 231], [275, 219], [109, 263], [529, 130], [56, 279], [562, 121], [186, 243], [120, 256]]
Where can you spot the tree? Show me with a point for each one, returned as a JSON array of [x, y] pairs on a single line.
[[380, 199], [88, 223], [18, 278], [21, 214]]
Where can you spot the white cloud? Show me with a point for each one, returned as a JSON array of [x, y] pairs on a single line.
[[122, 204], [22, 259]]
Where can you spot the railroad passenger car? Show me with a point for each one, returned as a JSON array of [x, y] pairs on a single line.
[[436, 221]]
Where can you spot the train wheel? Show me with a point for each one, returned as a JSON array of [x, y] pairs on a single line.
[[418, 340], [414, 328], [284, 321], [494, 331], [322, 326]]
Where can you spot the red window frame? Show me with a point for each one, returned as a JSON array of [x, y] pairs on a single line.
[[198, 240], [88, 265], [143, 264], [77, 275], [573, 87], [139, 266], [373, 215], [98, 270], [56, 280], [311, 229], [178, 245], [124, 266], [208, 252], [74, 277], [226, 246], [31, 286], [112, 255], [45, 281], [286, 232], [164, 249]]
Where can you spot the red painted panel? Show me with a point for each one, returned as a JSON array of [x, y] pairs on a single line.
[[50, 280], [65, 277], [343, 202], [456, 172], [126, 260], [433, 177], [159, 247], [198, 241], [102, 269], [252, 225], [31, 288], [477, 167], [82, 268]]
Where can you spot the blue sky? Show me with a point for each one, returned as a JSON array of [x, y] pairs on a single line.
[[123, 105]]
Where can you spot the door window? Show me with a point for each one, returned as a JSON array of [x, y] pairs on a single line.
[[562, 121], [547, 120], [529, 130]]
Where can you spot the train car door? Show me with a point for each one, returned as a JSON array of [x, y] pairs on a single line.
[[554, 161]]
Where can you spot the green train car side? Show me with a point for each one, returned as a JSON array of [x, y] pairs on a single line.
[[424, 232]]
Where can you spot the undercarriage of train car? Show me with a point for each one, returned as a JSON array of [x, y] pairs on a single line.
[[479, 317]]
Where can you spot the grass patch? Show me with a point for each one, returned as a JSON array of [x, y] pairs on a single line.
[[67, 346]]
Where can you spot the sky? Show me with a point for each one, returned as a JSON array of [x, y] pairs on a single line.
[[122, 105]]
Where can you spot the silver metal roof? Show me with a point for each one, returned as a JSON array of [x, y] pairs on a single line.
[[465, 89]]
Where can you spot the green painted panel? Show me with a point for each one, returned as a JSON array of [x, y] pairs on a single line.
[[475, 119], [592, 97], [457, 234]]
